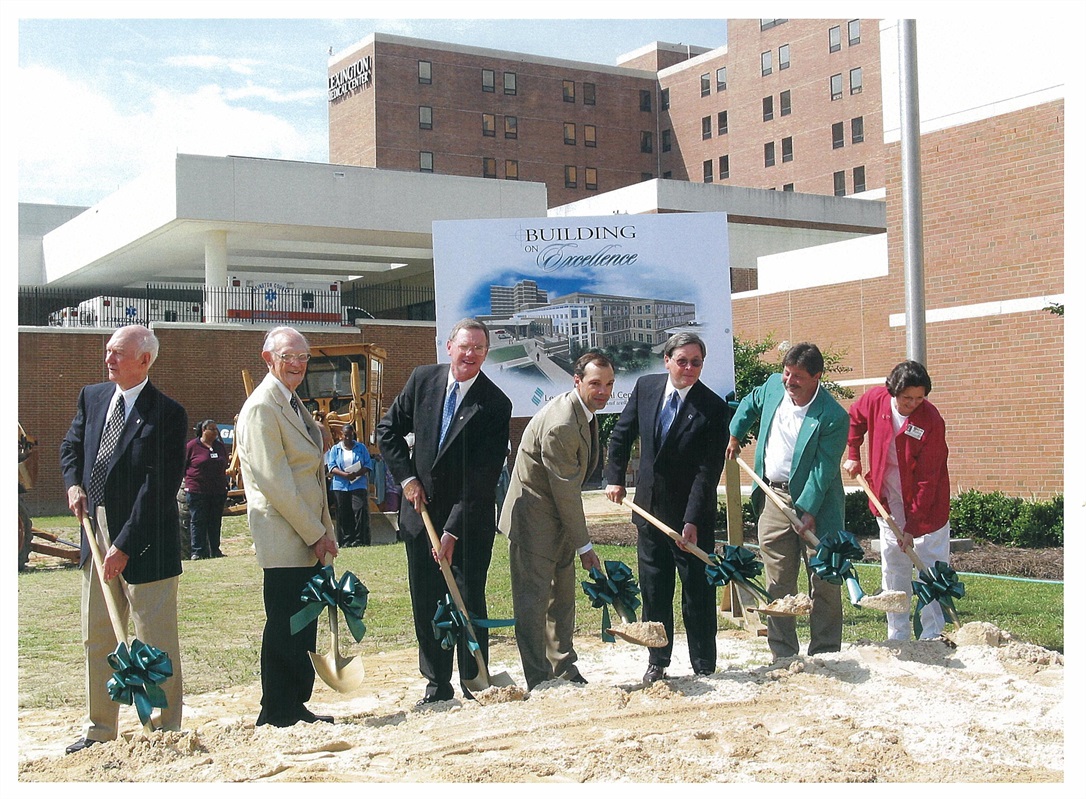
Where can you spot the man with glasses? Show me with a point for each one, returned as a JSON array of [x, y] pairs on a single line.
[[460, 421], [683, 428], [281, 449]]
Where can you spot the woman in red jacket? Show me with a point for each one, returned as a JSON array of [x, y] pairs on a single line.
[[908, 454]]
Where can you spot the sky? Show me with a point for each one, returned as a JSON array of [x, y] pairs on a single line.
[[98, 101]]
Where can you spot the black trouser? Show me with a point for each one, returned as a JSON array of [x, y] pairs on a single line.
[[286, 672], [353, 517], [205, 522]]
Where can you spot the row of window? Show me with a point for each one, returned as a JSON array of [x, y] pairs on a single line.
[[784, 57], [859, 173], [837, 132], [855, 83], [859, 181], [509, 84], [512, 171]]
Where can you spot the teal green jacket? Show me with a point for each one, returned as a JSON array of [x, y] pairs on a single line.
[[815, 484]]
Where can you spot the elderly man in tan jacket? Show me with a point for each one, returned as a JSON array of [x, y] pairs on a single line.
[[281, 449], [544, 520]]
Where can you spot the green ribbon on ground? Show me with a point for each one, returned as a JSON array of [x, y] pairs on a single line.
[[618, 588], [137, 673], [938, 584], [449, 624], [323, 590], [832, 561], [737, 563]]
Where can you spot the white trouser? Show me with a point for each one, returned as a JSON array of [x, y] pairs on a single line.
[[897, 575]]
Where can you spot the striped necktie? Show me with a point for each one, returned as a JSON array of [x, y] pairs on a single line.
[[449, 411], [111, 434]]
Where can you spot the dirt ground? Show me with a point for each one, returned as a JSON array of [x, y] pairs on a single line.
[[986, 709]]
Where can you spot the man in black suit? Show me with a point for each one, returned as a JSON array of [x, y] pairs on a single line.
[[122, 460], [683, 427], [460, 421]]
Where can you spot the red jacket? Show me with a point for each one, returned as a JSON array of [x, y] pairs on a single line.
[[925, 481]]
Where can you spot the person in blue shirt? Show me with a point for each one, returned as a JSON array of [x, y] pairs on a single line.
[[349, 464]]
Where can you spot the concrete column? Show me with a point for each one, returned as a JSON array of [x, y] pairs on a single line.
[[215, 277]]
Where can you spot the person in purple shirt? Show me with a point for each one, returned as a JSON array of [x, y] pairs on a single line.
[[206, 483]]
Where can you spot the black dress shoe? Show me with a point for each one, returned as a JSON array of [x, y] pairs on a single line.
[[430, 699], [703, 671], [80, 745], [577, 678], [218, 553], [654, 674], [308, 716]]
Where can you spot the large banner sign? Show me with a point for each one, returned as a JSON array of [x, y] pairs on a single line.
[[551, 288]]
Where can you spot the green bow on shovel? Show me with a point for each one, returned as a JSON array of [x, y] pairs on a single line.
[[832, 562], [617, 588], [738, 564], [348, 593], [939, 584], [450, 624]]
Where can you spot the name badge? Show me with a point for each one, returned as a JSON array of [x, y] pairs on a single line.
[[914, 431], [213, 454]]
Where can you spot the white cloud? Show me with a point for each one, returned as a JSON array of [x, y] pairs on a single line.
[[240, 66], [76, 147]]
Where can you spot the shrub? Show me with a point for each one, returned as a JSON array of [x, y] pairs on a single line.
[[858, 518], [1011, 521], [1040, 524]]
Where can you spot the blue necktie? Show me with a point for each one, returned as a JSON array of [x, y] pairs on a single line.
[[667, 415], [449, 412]]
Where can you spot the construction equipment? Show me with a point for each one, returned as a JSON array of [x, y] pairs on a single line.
[[28, 475]]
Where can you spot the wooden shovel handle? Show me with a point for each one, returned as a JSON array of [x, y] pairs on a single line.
[[96, 555], [450, 581], [885, 514], [806, 535], [693, 549]]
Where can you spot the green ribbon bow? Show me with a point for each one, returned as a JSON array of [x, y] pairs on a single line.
[[617, 588], [737, 563], [137, 673], [450, 624], [939, 584], [832, 562], [348, 593]]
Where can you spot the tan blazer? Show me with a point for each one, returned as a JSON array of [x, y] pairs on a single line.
[[543, 511], [282, 466]]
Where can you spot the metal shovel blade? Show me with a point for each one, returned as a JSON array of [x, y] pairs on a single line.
[[342, 674]]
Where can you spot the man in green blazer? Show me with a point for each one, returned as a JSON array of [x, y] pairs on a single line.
[[801, 438]]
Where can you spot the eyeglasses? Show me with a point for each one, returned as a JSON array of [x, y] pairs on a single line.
[[293, 357], [683, 363], [478, 349]]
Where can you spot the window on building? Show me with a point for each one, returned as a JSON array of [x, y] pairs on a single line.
[[767, 108], [853, 32], [510, 127], [766, 24], [837, 133], [569, 91], [646, 176], [425, 72], [839, 184], [835, 38], [569, 132], [705, 89], [767, 63], [646, 141], [488, 80], [725, 170], [512, 170], [590, 181], [836, 86], [571, 177], [859, 179], [490, 168], [588, 93], [489, 124], [721, 123], [665, 141], [510, 82], [426, 162], [857, 130], [789, 187], [856, 80], [646, 100], [783, 59], [770, 153], [706, 173], [786, 149], [706, 127], [722, 79], [426, 117], [589, 135], [665, 99]]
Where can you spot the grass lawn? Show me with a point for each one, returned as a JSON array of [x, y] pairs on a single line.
[[221, 612]]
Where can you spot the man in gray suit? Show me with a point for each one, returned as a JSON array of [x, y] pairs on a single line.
[[281, 449], [544, 519]]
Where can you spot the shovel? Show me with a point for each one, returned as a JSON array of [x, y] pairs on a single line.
[[342, 674], [693, 549], [885, 514], [484, 679]]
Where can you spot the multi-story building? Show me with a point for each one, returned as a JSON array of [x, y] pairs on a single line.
[[508, 300], [784, 104]]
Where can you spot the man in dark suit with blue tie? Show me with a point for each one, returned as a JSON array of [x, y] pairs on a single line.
[[460, 421], [122, 460], [683, 428]]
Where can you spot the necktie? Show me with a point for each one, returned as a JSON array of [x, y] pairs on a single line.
[[594, 438], [296, 406], [111, 434], [449, 411], [667, 415]]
